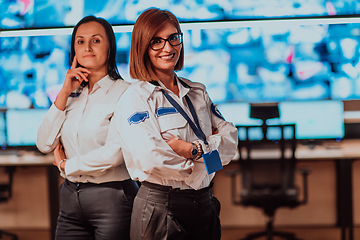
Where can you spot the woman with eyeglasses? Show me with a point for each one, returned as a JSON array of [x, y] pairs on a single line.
[[171, 134]]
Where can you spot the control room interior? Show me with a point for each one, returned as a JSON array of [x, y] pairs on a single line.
[[264, 63]]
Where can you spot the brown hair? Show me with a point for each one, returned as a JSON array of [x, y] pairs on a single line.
[[112, 69], [146, 26]]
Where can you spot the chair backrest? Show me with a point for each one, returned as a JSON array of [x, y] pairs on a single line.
[[6, 185], [273, 167]]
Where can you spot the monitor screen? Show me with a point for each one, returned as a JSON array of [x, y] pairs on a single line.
[[238, 113], [240, 62], [33, 68], [273, 62], [22, 126], [268, 62], [313, 119], [44, 13], [2, 130]]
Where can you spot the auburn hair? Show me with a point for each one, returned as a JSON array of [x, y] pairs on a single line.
[[146, 26]]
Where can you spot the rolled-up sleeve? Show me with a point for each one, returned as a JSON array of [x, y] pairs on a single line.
[[226, 138]]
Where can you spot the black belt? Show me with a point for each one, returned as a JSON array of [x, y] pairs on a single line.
[[177, 190], [84, 185]]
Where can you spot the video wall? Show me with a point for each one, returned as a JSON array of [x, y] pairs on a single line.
[[257, 61], [17, 14]]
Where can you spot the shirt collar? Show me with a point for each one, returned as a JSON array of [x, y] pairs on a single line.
[[184, 88], [105, 84]]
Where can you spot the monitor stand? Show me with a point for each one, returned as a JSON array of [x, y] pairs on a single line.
[[311, 143]]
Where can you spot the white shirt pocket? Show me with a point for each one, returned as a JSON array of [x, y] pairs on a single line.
[[100, 115], [172, 126], [98, 121]]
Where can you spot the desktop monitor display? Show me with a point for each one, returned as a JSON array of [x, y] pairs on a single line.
[[2, 130], [22, 126], [313, 119]]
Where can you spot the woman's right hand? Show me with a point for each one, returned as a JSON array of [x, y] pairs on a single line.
[[59, 154], [74, 77]]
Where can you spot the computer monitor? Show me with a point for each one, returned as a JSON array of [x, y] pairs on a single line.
[[2, 129], [22, 126], [313, 119], [239, 114]]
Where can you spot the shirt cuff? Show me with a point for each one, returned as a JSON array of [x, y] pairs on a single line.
[[197, 176], [71, 166]]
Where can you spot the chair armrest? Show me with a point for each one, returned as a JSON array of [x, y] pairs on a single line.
[[304, 171], [234, 191], [232, 172]]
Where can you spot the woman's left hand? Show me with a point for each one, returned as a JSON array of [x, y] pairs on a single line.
[[181, 147], [59, 155]]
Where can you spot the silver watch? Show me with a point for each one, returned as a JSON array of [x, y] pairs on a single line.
[[196, 151]]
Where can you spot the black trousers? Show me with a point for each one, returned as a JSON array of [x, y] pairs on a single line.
[[161, 212], [95, 211]]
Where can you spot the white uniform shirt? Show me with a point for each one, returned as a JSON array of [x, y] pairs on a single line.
[[146, 120], [87, 133]]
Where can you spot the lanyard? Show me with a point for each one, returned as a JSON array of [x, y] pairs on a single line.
[[194, 126]]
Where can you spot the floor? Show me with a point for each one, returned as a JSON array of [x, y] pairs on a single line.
[[29, 235], [227, 234], [301, 233]]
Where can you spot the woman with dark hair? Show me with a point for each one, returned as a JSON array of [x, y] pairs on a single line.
[[178, 138], [97, 195]]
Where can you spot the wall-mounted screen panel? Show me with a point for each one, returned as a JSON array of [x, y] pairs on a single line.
[[43, 13], [33, 68], [247, 62], [276, 61], [267, 62]]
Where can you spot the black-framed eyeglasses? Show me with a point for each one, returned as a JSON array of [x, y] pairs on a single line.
[[158, 43]]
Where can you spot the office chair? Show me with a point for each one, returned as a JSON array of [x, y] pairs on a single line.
[[268, 182], [5, 195]]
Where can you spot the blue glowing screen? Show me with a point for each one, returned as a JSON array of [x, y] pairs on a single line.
[[266, 60]]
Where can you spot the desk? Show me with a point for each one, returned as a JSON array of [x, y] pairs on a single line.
[[25, 158], [343, 153]]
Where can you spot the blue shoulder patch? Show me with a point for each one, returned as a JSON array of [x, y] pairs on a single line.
[[75, 94], [216, 112], [161, 111], [138, 117]]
